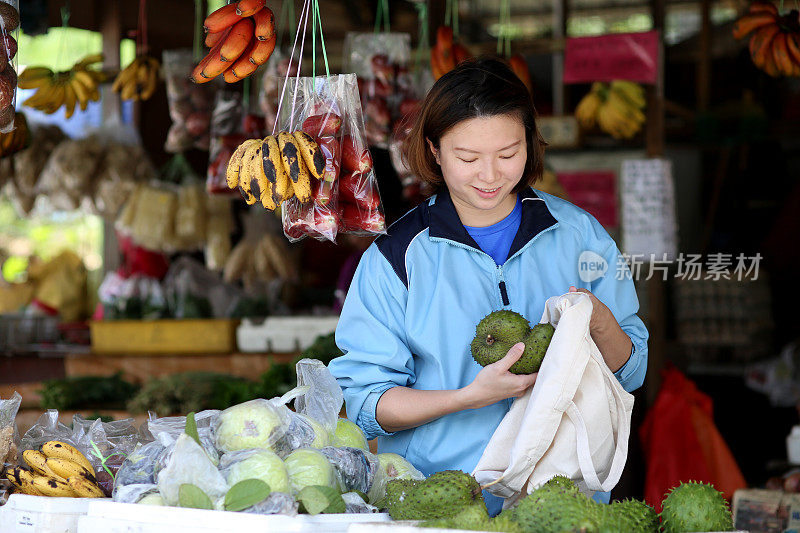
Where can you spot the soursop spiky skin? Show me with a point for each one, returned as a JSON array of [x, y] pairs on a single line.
[[442, 495], [474, 518], [498, 331], [555, 507], [695, 506]]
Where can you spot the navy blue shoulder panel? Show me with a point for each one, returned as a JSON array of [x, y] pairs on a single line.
[[398, 238]]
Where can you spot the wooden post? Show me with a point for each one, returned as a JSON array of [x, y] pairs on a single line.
[[703, 89], [560, 16]]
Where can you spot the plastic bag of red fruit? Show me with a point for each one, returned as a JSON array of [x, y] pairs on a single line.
[[346, 198]]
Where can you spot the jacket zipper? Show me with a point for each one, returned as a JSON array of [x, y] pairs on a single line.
[[502, 284]]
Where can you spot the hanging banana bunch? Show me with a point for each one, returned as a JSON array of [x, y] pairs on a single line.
[[139, 80], [618, 108], [72, 88]]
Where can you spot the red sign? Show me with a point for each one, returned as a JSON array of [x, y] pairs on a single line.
[[594, 191], [618, 56]]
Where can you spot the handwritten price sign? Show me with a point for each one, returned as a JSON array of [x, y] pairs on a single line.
[[619, 56]]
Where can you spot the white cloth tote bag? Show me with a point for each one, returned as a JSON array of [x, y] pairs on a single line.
[[575, 420]]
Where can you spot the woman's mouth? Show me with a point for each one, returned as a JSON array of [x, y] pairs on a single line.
[[486, 193]]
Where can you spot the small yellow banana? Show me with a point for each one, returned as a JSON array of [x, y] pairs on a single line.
[[274, 169], [38, 463], [63, 450], [295, 167], [246, 178], [233, 172], [50, 486], [84, 488], [23, 480], [312, 156], [66, 468]]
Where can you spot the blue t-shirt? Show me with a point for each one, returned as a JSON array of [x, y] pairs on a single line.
[[496, 239]]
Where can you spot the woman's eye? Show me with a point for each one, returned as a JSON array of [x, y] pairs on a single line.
[[468, 160], [507, 156]]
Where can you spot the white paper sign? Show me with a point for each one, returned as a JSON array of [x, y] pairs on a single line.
[[647, 192]]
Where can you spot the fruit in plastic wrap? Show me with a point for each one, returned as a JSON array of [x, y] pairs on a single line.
[[349, 434], [303, 432], [356, 469], [263, 464], [308, 467], [252, 424], [397, 467]]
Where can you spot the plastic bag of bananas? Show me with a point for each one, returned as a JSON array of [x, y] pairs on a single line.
[[9, 22], [617, 108], [73, 88]]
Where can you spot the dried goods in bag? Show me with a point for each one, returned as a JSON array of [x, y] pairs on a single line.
[[190, 104], [9, 24]]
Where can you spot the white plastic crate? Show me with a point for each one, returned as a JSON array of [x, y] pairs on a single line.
[[110, 517], [39, 514], [283, 334], [409, 526]]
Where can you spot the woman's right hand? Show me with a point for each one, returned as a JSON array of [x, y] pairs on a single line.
[[495, 382]]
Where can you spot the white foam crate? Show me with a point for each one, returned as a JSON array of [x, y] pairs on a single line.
[[111, 517], [39, 514], [283, 334]]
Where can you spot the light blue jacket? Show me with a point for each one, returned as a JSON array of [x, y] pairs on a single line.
[[418, 293]]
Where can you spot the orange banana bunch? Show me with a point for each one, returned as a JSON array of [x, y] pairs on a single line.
[[775, 38], [241, 36], [446, 54]]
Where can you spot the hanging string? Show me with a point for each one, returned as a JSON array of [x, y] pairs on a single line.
[[304, 21], [423, 45], [65, 14], [454, 15], [197, 50], [322, 40], [289, 69], [504, 29]]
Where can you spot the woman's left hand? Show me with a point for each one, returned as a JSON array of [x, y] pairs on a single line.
[[602, 318], [614, 344]]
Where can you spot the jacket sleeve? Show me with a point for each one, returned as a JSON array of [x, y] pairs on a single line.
[[616, 290], [371, 333]]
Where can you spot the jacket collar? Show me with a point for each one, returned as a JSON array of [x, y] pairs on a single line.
[[445, 224]]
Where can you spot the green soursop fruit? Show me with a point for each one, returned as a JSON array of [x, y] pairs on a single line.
[[555, 507], [498, 331], [695, 506], [641, 516], [474, 517], [442, 495]]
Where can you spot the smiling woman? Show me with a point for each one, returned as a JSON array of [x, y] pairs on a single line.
[[486, 241]]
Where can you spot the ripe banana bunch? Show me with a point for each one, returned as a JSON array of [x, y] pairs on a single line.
[[138, 81], [616, 107], [58, 470], [75, 87], [276, 168]]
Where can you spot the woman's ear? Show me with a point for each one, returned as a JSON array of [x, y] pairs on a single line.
[[434, 151]]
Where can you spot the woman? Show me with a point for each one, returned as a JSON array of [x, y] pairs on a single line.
[[486, 241]]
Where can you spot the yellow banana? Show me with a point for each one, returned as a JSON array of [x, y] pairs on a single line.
[[35, 77], [312, 156], [586, 111], [624, 107], [81, 92], [62, 450], [50, 486], [633, 92], [70, 99], [295, 167], [233, 172], [23, 480], [88, 60], [84, 488], [86, 80], [260, 186], [38, 463], [246, 177], [64, 468], [151, 81], [274, 169]]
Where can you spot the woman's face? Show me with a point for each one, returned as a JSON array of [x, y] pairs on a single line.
[[482, 160]]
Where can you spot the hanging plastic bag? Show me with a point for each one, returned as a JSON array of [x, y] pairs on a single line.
[[226, 135], [9, 435], [189, 104], [70, 171], [681, 442], [9, 24], [380, 60]]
